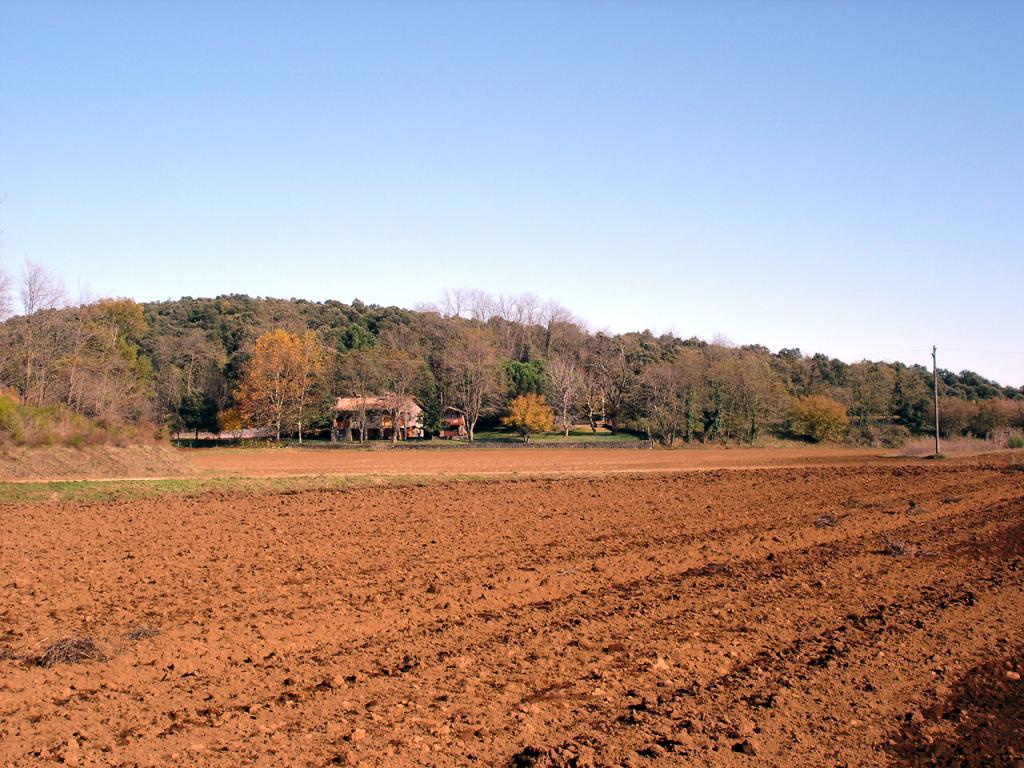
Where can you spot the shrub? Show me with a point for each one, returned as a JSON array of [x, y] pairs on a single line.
[[58, 425], [9, 421], [817, 418], [1016, 441]]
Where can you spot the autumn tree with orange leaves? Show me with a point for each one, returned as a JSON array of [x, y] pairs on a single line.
[[529, 413], [282, 379]]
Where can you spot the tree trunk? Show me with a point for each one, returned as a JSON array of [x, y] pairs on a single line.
[[300, 432]]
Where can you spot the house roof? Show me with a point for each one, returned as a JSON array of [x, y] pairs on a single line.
[[376, 403]]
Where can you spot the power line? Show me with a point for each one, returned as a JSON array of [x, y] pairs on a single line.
[[983, 351]]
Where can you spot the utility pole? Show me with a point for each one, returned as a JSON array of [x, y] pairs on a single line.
[[935, 386]]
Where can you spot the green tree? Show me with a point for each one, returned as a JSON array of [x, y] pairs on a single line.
[[197, 411], [357, 337], [525, 377]]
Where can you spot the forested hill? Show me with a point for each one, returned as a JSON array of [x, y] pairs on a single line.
[[180, 363]]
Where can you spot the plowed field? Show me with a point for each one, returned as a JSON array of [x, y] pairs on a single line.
[[278, 462], [852, 615]]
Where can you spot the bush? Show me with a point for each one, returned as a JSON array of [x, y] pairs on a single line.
[[817, 418], [10, 424], [1017, 441], [58, 425]]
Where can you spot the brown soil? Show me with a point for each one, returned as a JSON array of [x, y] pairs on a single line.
[[271, 462], [712, 618], [92, 462]]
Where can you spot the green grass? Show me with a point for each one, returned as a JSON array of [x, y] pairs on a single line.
[[119, 490]]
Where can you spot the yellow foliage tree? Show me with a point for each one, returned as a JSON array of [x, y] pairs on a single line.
[[528, 414], [230, 420], [281, 380], [817, 418]]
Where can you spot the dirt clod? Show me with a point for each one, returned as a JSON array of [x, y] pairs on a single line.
[[893, 548], [746, 747]]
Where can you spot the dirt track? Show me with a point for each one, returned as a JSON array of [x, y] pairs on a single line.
[[682, 619]]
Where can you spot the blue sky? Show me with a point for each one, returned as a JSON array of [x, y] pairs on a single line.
[[841, 177]]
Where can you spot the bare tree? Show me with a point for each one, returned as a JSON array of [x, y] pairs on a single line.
[[613, 369], [191, 366], [471, 375], [757, 392], [563, 332], [39, 291], [665, 399], [85, 358], [453, 302], [361, 376], [6, 302], [402, 375], [6, 305], [563, 384]]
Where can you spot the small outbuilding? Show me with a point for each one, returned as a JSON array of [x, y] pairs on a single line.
[[453, 424]]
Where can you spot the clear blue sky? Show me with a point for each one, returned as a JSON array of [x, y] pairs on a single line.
[[841, 177]]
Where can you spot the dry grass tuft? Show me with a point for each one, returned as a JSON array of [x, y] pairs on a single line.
[[70, 650], [952, 446]]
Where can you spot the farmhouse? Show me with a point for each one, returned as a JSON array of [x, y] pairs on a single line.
[[453, 424], [376, 416]]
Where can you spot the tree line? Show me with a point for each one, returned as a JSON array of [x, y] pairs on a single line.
[[220, 363]]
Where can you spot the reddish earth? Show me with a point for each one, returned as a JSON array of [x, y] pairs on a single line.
[[268, 462], [53, 462], [852, 615]]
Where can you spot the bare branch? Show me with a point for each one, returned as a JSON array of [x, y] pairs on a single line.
[[6, 303], [40, 289]]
